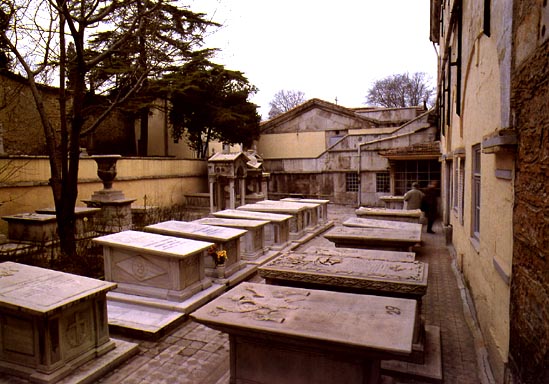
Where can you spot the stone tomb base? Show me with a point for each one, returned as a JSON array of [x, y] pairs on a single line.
[[430, 370], [53, 323], [150, 318]]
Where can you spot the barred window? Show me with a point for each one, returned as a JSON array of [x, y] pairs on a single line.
[[410, 171], [383, 182], [351, 182]]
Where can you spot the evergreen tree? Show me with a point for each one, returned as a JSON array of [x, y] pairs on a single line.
[[138, 40], [210, 102]]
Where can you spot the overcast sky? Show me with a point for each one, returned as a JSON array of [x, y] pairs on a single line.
[[326, 49]]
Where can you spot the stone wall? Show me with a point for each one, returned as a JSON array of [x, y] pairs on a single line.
[[152, 182], [529, 312], [22, 128]]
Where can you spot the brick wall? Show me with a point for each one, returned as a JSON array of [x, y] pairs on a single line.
[[529, 312]]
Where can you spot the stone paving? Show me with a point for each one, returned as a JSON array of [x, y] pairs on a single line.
[[194, 353]]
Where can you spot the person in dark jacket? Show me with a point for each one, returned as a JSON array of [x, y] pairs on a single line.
[[430, 204]]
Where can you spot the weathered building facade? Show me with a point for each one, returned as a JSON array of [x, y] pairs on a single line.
[[493, 115], [350, 156]]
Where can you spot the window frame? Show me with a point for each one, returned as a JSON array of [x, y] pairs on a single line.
[[475, 191], [352, 182], [383, 179], [459, 187]]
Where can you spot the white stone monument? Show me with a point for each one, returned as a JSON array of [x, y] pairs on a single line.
[[253, 241], [32, 227], [297, 229], [310, 215], [160, 279], [408, 215], [323, 209], [53, 323], [388, 224], [232, 269], [371, 254], [277, 232], [292, 335], [373, 238]]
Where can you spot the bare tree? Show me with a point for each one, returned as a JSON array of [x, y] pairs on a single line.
[[49, 39], [283, 101], [401, 90]]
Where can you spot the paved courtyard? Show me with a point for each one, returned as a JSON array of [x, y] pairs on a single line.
[[194, 353]]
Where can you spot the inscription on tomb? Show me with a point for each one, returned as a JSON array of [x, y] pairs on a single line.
[[153, 242], [46, 292]]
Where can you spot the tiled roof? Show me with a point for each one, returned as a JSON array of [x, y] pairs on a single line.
[[431, 149]]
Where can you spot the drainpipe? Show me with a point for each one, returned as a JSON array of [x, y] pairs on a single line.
[[359, 198]]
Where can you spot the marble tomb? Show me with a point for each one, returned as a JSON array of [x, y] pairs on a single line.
[[233, 269], [293, 335], [277, 232], [53, 323], [373, 238]]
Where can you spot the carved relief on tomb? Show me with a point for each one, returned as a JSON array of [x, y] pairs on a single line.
[[262, 306], [340, 281], [405, 271], [352, 272], [78, 328], [141, 268]]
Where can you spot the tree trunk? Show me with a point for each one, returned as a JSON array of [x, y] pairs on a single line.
[[144, 132]]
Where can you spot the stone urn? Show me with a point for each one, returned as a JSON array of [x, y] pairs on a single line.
[[106, 168]]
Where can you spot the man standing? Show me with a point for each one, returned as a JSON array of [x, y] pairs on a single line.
[[414, 197], [430, 203]]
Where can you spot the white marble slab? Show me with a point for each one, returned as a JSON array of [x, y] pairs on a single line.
[[252, 243], [143, 320], [364, 322], [388, 224], [52, 322], [277, 232], [292, 335], [297, 221], [40, 291], [348, 273], [374, 254], [252, 215], [195, 230], [153, 265], [373, 238], [232, 223], [234, 269], [153, 243], [322, 209], [409, 215]]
